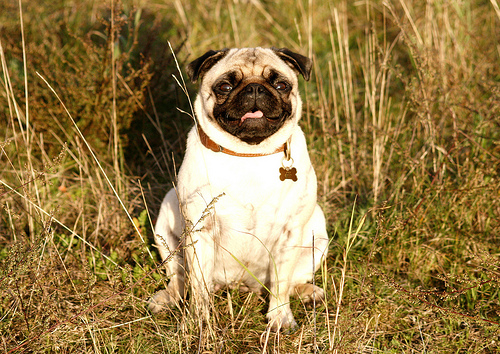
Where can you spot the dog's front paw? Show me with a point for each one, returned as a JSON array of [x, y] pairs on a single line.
[[281, 319], [309, 293], [161, 300]]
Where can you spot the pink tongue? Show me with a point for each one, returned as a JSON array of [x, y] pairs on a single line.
[[257, 114]]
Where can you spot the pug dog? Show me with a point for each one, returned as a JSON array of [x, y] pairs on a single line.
[[244, 212]]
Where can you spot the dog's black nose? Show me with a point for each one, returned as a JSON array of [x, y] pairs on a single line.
[[255, 89]]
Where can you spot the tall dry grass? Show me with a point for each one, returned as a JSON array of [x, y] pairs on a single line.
[[402, 119]]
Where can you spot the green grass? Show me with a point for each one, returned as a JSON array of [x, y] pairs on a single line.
[[402, 120]]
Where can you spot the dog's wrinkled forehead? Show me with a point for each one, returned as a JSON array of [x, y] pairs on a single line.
[[248, 56], [250, 62]]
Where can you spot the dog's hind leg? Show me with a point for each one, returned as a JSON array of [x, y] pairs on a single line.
[[168, 231]]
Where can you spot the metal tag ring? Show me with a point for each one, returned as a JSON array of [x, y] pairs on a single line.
[[287, 162]]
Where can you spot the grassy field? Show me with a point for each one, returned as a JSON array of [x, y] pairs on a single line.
[[402, 117]]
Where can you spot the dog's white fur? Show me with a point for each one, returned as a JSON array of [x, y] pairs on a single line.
[[244, 223]]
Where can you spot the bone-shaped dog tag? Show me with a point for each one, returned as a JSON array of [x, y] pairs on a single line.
[[288, 173]]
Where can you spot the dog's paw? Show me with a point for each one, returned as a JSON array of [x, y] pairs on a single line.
[[310, 293], [281, 319], [161, 300]]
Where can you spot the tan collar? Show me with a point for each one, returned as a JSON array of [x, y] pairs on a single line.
[[212, 145]]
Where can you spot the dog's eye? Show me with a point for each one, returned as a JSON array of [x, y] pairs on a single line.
[[280, 86], [225, 87]]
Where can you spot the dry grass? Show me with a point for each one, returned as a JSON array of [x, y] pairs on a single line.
[[402, 118]]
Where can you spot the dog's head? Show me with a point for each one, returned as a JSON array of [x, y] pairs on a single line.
[[250, 93]]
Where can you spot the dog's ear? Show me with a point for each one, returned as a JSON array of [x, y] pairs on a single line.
[[198, 67], [298, 62]]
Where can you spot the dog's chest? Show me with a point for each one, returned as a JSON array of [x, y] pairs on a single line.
[[248, 211], [247, 237], [244, 214]]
